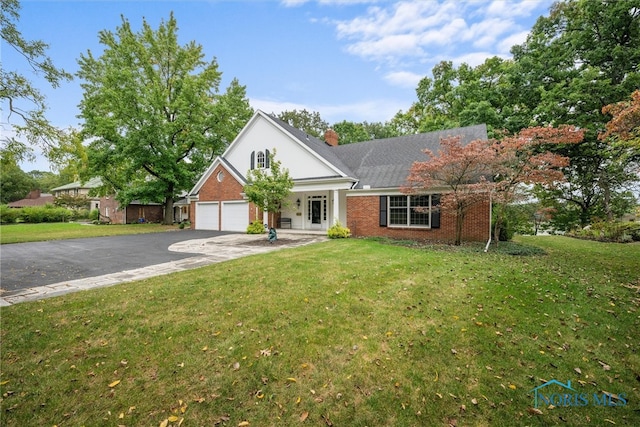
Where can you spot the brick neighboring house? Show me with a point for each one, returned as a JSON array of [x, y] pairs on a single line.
[[357, 184], [109, 208], [34, 198]]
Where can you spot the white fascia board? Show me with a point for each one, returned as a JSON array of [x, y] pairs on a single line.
[[338, 183]]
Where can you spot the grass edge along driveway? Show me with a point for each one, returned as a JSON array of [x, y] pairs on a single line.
[[350, 332], [22, 233]]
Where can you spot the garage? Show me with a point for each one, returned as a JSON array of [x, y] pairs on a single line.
[[235, 216], [207, 216]]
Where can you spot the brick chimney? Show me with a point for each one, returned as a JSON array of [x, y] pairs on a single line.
[[34, 194], [331, 137]]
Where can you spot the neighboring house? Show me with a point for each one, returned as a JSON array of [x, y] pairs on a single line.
[[109, 208], [357, 184], [34, 198]]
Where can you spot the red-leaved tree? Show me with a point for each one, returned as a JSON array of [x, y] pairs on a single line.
[[625, 123], [504, 168], [461, 170]]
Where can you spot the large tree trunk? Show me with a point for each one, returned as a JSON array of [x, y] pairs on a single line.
[[168, 209]]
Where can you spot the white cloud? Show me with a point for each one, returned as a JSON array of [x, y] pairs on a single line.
[[404, 79], [418, 31], [295, 3]]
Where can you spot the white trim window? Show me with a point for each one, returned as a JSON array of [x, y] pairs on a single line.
[[417, 211]]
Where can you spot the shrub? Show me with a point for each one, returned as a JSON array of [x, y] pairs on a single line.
[[610, 232], [47, 213], [184, 224], [94, 215], [256, 227], [337, 231], [9, 215]]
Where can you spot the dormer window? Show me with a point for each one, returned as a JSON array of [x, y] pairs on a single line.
[[260, 160]]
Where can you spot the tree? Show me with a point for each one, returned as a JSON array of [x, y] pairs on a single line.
[[461, 169], [308, 121], [15, 184], [269, 188], [581, 57], [153, 113], [519, 163], [23, 99]]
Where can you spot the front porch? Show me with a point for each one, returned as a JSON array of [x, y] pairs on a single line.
[[311, 212]]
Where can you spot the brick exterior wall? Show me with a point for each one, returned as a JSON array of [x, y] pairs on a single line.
[[150, 213], [109, 207], [363, 220], [214, 191]]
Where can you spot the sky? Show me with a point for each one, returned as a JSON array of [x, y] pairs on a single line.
[[356, 60]]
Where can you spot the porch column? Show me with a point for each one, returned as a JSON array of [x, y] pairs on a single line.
[[336, 207]]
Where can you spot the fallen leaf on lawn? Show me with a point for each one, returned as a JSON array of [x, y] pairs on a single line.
[[609, 421], [454, 351], [298, 400], [173, 418], [534, 411], [293, 380], [4, 382], [115, 383], [474, 401], [205, 348], [199, 399], [463, 408], [439, 395], [436, 378], [236, 366], [121, 416], [512, 386], [304, 416], [578, 370], [265, 352], [243, 423], [604, 366], [164, 423]]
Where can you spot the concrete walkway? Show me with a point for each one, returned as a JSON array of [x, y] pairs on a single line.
[[210, 251]]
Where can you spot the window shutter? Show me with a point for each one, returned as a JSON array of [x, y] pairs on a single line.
[[435, 211], [253, 160], [267, 160], [383, 211]]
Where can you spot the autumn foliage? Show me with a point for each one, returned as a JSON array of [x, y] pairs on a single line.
[[625, 123], [469, 173]]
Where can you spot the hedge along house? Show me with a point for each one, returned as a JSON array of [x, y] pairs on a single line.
[[357, 184]]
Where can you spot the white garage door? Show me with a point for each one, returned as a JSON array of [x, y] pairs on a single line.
[[235, 216], [207, 216]]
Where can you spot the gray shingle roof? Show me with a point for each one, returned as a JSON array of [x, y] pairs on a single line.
[[382, 163], [385, 163]]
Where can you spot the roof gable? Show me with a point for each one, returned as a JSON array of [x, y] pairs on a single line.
[[303, 155]]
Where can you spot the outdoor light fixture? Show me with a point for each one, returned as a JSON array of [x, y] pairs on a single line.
[[298, 203]]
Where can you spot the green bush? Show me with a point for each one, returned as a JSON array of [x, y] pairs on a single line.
[[256, 227], [47, 213], [622, 232], [337, 231], [94, 215], [9, 215]]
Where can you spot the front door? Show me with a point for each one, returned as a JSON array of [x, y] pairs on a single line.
[[316, 212]]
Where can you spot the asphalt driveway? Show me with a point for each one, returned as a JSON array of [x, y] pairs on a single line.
[[29, 265]]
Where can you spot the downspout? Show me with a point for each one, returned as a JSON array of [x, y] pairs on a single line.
[[486, 248]]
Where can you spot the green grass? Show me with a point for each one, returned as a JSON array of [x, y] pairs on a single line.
[[20, 233], [345, 333]]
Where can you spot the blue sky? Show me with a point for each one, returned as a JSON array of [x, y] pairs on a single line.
[[357, 60]]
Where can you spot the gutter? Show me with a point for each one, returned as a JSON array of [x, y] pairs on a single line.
[[486, 248]]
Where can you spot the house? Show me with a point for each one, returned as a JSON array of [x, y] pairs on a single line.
[[357, 184], [34, 198], [109, 208]]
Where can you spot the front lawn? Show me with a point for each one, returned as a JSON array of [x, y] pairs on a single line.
[[20, 233], [344, 333]]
